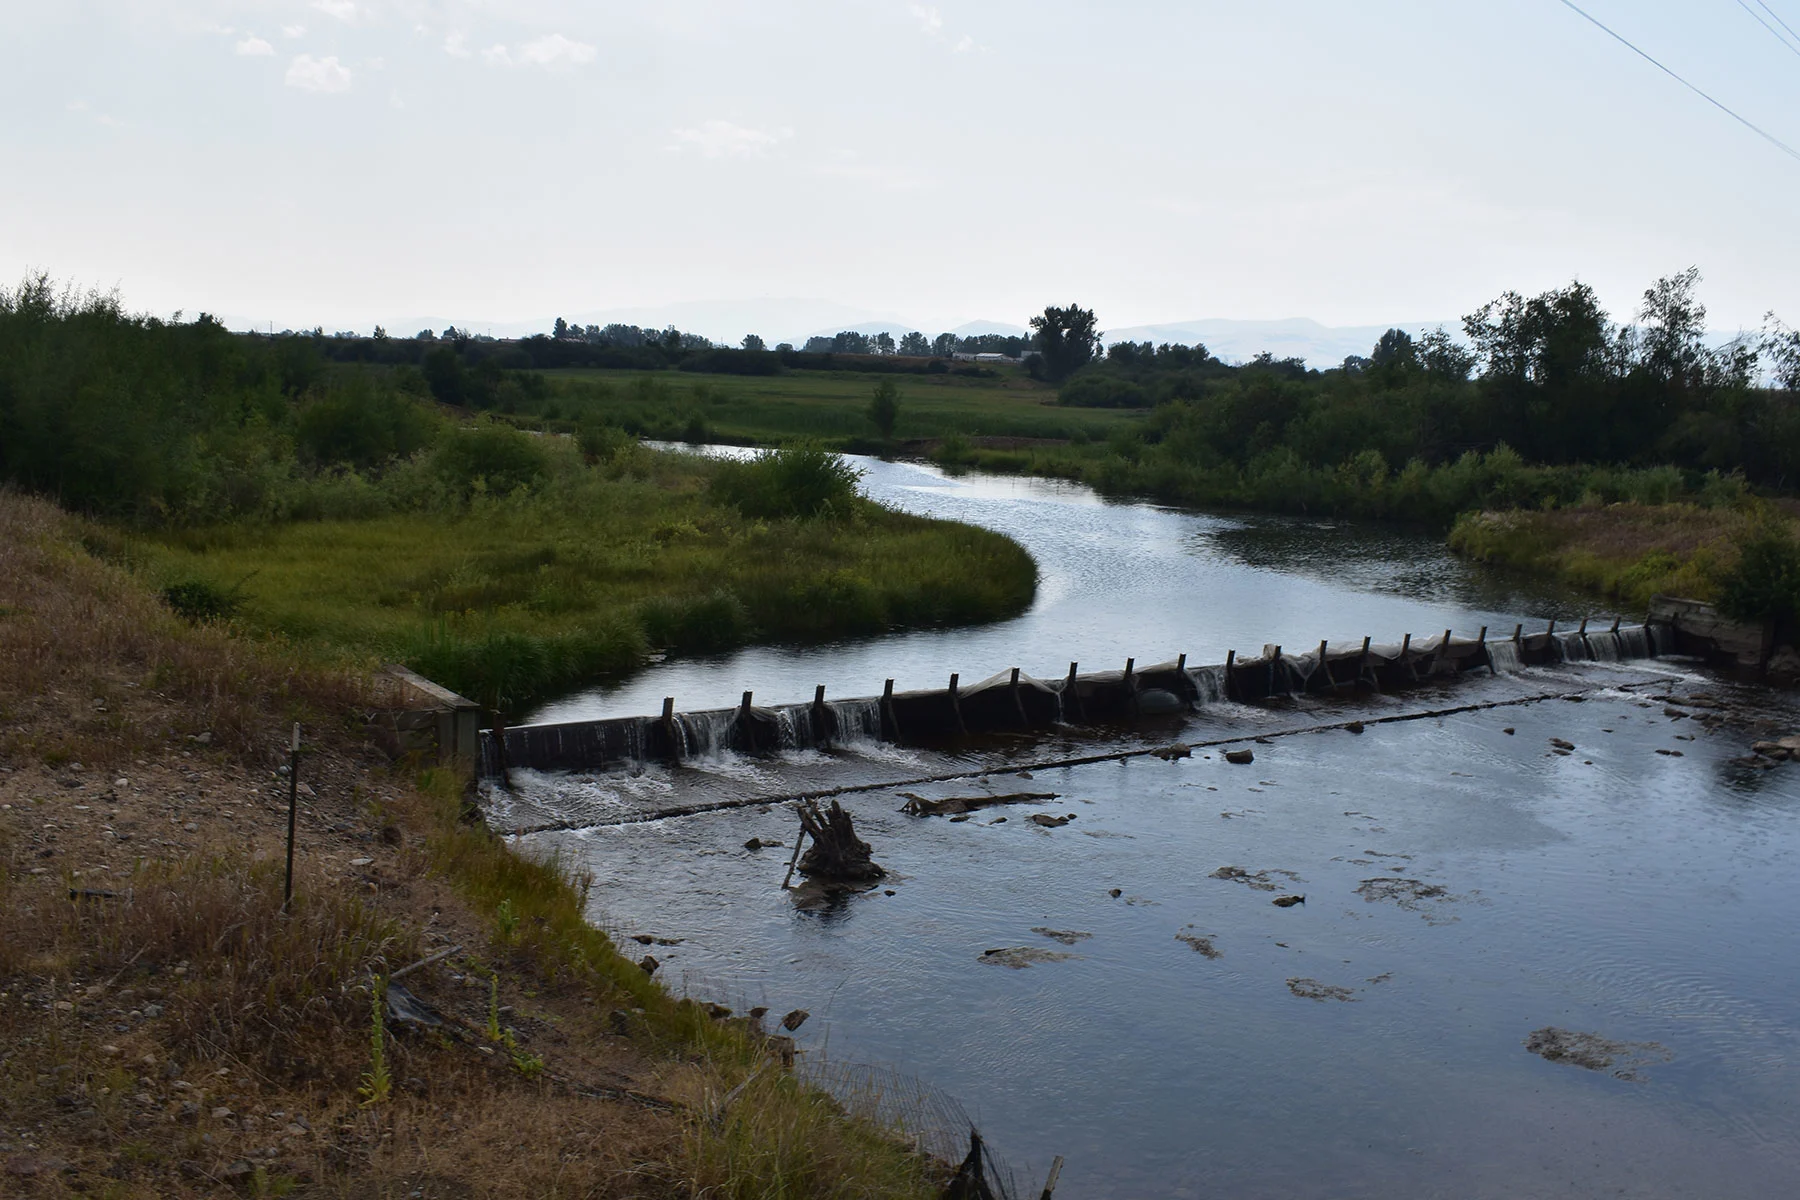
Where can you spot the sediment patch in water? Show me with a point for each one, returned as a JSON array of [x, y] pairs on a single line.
[[1592, 1052]]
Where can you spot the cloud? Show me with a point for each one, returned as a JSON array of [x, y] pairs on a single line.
[[553, 52], [930, 20], [344, 10], [293, 31], [311, 74], [254, 47], [456, 45], [722, 139], [964, 45]]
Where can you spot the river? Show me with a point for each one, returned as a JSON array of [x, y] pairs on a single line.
[[1466, 885]]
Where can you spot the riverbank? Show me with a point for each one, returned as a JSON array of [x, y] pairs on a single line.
[[512, 597], [167, 1031], [1627, 552]]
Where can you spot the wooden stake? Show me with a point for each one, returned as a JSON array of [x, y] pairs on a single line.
[[1050, 1183], [287, 885], [956, 704], [799, 838], [1230, 663]]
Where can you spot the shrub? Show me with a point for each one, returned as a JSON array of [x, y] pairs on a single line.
[[491, 456], [804, 480], [197, 600], [697, 624], [1765, 583]]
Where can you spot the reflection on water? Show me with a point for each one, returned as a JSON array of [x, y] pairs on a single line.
[[1465, 885], [1370, 557]]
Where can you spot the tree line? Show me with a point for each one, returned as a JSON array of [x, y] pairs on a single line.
[[1552, 378]]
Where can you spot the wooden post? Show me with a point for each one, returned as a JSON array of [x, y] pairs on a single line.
[[1405, 649], [799, 839], [668, 725], [287, 884], [1615, 625], [822, 732], [1519, 634], [1071, 693], [1274, 661], [1130, 686], [746, 705], [1551, 629], [1018, 701], [1362, 666], [1325, 667], [956, 703], [1230, 664], [1184, 680], [1050, 1182], [1583, 630], [1443, 652], [889, 722], [1489, 658]]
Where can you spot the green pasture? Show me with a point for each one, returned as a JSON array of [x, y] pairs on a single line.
[[831, 407]]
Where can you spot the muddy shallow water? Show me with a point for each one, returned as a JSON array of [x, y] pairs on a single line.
[[1464, 889]]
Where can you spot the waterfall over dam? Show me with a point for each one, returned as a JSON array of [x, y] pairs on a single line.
[[1013, 701]]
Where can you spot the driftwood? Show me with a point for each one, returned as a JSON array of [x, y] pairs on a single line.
[[836, 854], [919, 806]]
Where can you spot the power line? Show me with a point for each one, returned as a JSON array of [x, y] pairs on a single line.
[[1758, 130], [1778, 20], [1773, 32]]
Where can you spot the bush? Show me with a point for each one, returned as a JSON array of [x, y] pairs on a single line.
[[199, 601], [804, 480], [490, 456], [1765, 583], [1104, 391], [697, 624], [361, 426]]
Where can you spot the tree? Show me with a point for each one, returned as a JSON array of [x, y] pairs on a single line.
[[754, 344], [944, 345], [1068, 338], [1394, 349], [1674, 322], [381, 334], [914, 345], [883, 342], [884, 407], [561, 329]]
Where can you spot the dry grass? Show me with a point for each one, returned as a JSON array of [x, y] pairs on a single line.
[[77, 634], [165, 1031], [1627, 552]]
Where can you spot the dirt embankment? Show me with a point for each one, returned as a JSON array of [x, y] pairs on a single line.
[[167, 1028]]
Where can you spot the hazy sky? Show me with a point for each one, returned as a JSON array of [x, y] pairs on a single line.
[[344, 162]]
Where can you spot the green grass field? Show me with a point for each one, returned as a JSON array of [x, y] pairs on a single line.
[[828, 406], [519, 596]]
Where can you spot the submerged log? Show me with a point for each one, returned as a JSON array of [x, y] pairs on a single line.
[[836, 853]]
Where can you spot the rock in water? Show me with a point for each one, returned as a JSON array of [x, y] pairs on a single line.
[[836, 855], [1287, 901], [795, 1019], [1240, 757]]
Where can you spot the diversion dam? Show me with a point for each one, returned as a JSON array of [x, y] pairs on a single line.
[[1012, 702]]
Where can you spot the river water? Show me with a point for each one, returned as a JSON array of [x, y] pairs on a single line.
[[1117, 581], [1465, 886]]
